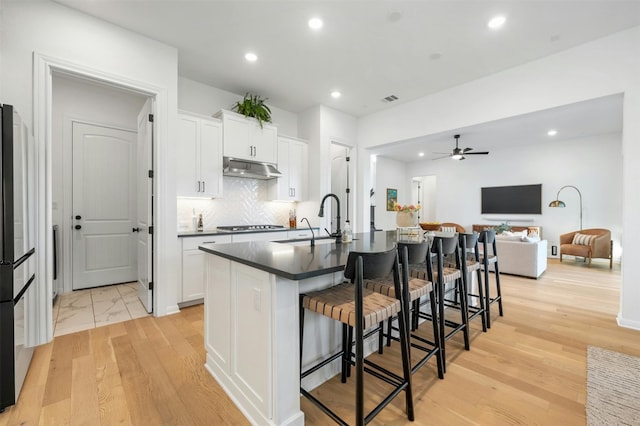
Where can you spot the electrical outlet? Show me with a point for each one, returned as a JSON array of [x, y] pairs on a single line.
[[554, 250]]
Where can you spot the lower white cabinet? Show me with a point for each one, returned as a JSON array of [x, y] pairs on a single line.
[[260, 236], [193, 265], [300, 233], [239, 337]]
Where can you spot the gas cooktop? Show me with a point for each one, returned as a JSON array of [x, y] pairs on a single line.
[[245, 228]]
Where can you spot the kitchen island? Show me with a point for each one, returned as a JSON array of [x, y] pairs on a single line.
[[251, 319]]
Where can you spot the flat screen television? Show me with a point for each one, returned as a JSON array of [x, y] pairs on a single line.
[[518, 199]]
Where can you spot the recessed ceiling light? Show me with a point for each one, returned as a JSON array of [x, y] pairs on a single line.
[[335, 94], [496, 22], [315, 23], [251, 57], [421, 154], [552, 132]]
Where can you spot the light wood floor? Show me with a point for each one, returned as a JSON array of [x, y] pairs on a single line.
[[530, 368]]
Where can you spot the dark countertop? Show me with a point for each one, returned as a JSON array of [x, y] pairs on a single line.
[[301, 262], [206, 232]]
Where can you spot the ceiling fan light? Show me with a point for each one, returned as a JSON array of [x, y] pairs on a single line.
[[456, 157]]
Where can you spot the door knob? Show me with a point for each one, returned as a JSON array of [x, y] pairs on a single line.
[[78, 226], [135, 229], [78, 217]]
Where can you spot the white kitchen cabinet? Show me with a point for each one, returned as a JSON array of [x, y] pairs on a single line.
[[193, 264], [260, 236], [300, 233], [243, 138], [199, 157], [293, 164]]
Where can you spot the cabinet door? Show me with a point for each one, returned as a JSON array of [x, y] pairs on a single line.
[[192, 274], [210, 158], [251, 321], [297, 168], [236, 137], [260, 236], [283, 189], [265, 142], [186, 171]]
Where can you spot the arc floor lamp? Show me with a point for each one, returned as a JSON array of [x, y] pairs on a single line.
[[558, 203]]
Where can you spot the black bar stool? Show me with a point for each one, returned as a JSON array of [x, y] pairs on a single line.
[[441, 247], [490, 257], [361, 308], [413, 290], [469, 262]]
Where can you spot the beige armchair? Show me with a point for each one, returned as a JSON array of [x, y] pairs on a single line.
[[599, 246]]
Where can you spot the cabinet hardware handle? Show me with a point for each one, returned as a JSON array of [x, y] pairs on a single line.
[[78, 226], [198, 186], [204, 182], [135, 229], [78, 217]]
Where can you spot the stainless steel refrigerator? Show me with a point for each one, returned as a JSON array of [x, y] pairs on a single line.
[[17, 258]]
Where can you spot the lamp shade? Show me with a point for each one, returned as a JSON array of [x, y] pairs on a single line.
[[557, 203]]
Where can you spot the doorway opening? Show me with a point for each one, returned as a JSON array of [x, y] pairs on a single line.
[[342, 181], [423, 190], [101, 185]]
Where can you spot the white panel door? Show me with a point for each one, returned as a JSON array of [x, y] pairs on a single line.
[[145, 206], [104, 191]]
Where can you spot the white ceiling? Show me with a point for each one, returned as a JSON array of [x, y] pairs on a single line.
[[372, 49], [367, 49], [579, 120]]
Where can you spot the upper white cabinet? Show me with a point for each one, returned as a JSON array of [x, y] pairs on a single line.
[[199, 157], [243, 138], [292, 163]]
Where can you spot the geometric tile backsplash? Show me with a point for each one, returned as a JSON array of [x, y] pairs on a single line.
[[244, 202]]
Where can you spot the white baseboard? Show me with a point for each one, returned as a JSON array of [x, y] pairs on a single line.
[[632, 324]]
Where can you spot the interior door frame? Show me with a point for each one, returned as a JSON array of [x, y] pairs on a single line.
[[44, 66], [66, 233]]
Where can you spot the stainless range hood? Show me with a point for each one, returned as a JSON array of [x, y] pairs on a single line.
[[249, 169]]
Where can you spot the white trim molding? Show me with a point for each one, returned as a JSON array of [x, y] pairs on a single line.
[[43, 69]]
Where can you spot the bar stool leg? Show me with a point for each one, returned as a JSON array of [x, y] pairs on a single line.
[[301, 325], [498, 290], [481, 300], [487, 297]]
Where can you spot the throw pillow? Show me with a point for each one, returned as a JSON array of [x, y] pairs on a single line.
[[531, 239], [582, 239]]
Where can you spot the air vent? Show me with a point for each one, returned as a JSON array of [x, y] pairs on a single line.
[[390, 98]]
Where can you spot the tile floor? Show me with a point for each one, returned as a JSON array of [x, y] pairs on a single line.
[[91, 308]]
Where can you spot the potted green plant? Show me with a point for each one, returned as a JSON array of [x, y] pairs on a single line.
[[503, 227], [253, 106]]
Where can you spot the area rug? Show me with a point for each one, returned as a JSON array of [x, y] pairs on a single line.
[[613, 388]]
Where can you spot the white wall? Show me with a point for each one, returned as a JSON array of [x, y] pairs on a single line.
[[321, 126], [610, 65], [82, 42], [591, 164], [200, 98], [390, 174], [75, 99]]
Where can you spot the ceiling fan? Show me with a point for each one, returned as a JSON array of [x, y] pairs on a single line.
[[459, 153]]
